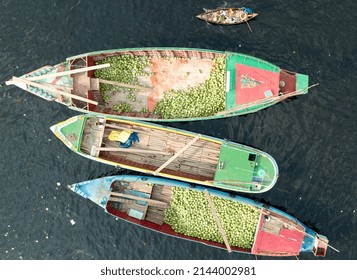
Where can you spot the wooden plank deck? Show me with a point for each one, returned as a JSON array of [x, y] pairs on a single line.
[[199, 159], [160, 198]]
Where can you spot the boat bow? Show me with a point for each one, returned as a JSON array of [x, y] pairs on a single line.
[[70, 131], [97, 190]]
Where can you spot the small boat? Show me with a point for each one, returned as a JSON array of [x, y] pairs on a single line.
[[203, 215], [227, 16], [169, 152], [163, 84]]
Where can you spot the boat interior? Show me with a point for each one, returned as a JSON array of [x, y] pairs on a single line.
[[158, 149], [227, 16], [139, 200], [168, 69]]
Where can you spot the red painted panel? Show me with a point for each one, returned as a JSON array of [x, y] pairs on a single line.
[[287, 243], [251, 83]]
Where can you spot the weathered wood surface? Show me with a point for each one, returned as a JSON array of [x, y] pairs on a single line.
[[151, 202], [54, 90], [215, 215], [69, 72], [155, 150], [157, 171]]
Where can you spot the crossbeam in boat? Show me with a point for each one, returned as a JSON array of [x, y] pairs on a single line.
[[121, 84], [127, 150], [215, 215], [157, 171], [69, 72], [151, 202]]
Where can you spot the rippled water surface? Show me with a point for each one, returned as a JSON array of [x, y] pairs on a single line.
[[313, 137]]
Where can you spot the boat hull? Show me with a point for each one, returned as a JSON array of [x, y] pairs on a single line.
[[290, 239], [214, 84], [171, 153], [226, 16]]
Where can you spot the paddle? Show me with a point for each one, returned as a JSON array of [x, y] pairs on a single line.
[[248, 25]]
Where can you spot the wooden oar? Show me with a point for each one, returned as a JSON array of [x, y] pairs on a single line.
[[151, 202], [220, 228], [248, 26], [54, 90], [177, 154]]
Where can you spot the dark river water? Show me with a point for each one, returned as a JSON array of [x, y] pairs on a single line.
[[312, 137]]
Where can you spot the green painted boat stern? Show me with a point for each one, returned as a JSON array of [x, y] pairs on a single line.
[[302, 83], [245, 170]]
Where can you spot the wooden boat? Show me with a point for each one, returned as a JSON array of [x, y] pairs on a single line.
[[164, 84], [204, 215], [227, 16], [170, 152]]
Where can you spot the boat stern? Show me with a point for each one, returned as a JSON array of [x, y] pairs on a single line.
[[277, 235], [315, 243], [97, 190], [70, 131], [320, 246], [245, 169], [293, 83], [302, 83]]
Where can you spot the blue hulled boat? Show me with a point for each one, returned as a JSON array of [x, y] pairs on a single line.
[[202, 214]]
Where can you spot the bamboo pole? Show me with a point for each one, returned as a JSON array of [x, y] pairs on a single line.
[[130, 150], [151, 202], [69, 72], [54, 90], [122, 84], [220, 228], [177, 154], [63, 73]]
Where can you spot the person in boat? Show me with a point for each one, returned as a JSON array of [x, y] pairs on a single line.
[[247, 11], [125, 138], [222, 16]]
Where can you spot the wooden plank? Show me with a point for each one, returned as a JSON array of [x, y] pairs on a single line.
[[54, 90], [155, 215], [177, 154], [69, 72], [151, 202], [129, 150], [142, 187], [122, 84], [123, 126], [220, 228]]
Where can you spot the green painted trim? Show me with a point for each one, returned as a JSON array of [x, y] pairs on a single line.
[[75, 130], [236, 58], [302, 82]]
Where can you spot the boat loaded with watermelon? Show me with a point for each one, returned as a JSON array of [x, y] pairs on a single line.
[[164, 84], [204, 215], [169, 152]]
